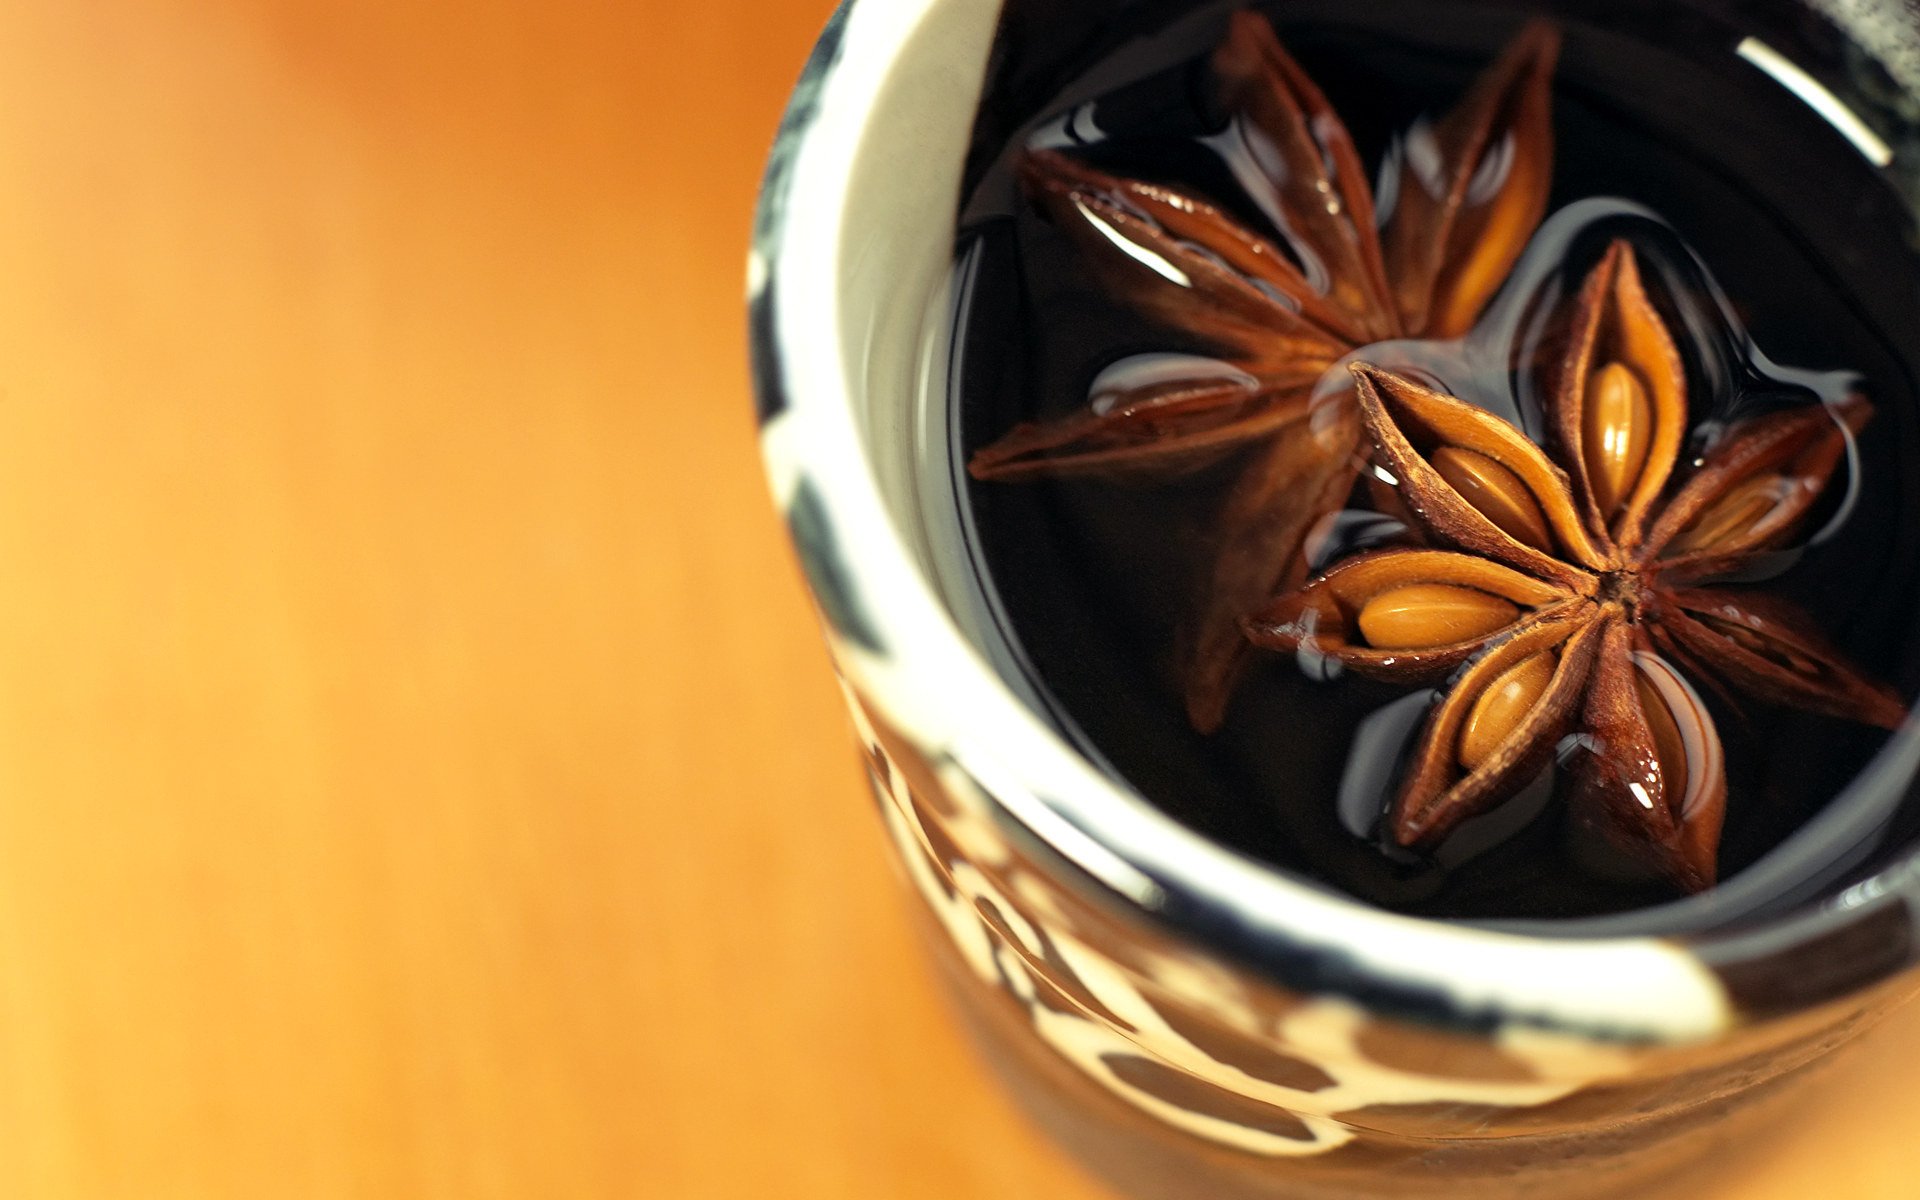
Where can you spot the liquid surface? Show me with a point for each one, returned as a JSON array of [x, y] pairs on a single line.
[[1752, 265]]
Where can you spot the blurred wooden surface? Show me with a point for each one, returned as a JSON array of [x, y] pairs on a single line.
[[419, 776]]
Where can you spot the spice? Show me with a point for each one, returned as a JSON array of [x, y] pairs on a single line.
[[1575, 593], [1284, 313]]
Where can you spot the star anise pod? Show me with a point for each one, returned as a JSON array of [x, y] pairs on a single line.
[[1467, 194], [1575, 594]]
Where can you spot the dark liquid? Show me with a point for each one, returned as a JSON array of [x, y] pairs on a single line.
[[1718, 177]]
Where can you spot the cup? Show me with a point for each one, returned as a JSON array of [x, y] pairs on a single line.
[[1187, 1020]]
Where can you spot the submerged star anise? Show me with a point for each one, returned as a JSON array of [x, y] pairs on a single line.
[[1458, 205], [1575, 593]]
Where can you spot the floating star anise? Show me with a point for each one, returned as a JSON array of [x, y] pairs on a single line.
[[1575, 593], [1465, 197]]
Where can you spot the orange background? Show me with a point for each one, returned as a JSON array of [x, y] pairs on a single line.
[[419, 774]]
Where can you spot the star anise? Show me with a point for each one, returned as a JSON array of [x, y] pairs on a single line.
[[1466, 195], [1575, 593]]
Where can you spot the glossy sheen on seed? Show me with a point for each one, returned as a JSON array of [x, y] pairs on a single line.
[[1668, 746], [1497, 492], [1503, 706], [1733, 514], [1422, 615], [1616, 429]]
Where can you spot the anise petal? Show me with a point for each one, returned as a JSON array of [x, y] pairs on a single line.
[[1471, 190], [1769, 649], [1620, 407], [1754, 486], [1200, 229], [1187, 286], [1314, 184], [1152, 431], [1440, 790], [1654, 781], [1492, 492], [1306, 470], [1403, 615]]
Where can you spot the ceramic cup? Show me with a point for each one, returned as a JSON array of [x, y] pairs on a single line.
[[1189, 1021]]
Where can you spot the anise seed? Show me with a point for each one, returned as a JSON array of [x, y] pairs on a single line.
[[1497, 492], [1618, 429], [1668, 746], [1422, 615], [1502, 707], [1734, 513]]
